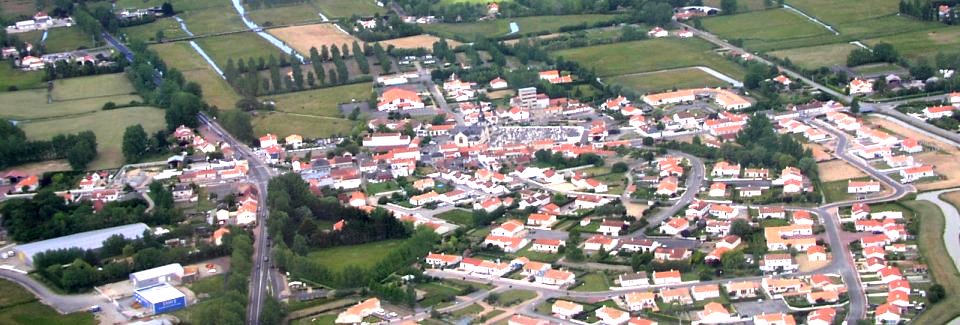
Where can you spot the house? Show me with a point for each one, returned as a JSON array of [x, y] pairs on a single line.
[[725, 169], [704, 292], [685, 33], [667, 186], [860, 211], [442, 260], [777, 287], [902, 286], [638, 301], [294, 140], [358, 199], [724, 211], [915, 173], [910, 145], [718, 189], [745, 289], [644, 245], [729, 242], [557, 278], [634, 279], [675, 226], [541, 220], [611, 227], [816, 253], [612, 316], [676, 295], [531, 268], [820, 297], [899, 299], [822, 316], [667, 277], [775, 212], [714, 313], [28, 184], [887, 314], [658, 32], [511, 228], [268, 140], [396, 98], [566, 309], [494, 269], [547, 245], [889, 274], [756, 173], [935, 112], [778, 263], [774, 319], [596, 242], [498, 83], [858, 86], [783, 80], [507, 244], [526, 320], [862, 187], [356, 313]]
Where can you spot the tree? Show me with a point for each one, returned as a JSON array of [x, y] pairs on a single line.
[[936, 293], [167, 9], [619, 167], [83, 150], [855, 106], [332, 74], [183, 110], [886, 52], [296, 71], [741, 228], [135, 143], [238, 124], [275, 78], [360, 58], [159, 36], [311, 81], [728, 7], [648, 141]]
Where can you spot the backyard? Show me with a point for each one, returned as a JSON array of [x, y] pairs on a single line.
[[458, 217]]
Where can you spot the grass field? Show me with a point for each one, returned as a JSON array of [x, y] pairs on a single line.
[[108, 126], [839, 12], [419, 41], [216, 91], [924, 43], [302, 38], [18, 78], [214, 19], [178, 5], [148, 32], [10, 9], [320, 102], [762, 29], [307, 126], [284, 14], [92, 87], [472, 309], [364, 255], [19, 307], [60, 39], [347, 8], [457, 216], [666, 80], [817, 56], [742, 5], [938, 260], [651, 55], [66, 101], [513, 297], [499, 27], [237, 46], [593, 282]]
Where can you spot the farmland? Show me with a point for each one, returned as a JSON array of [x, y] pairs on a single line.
[[148, 32], [658, 54], [838, 13], [284, 14], [308, 126], [237, 46], [665, 80], [742, 5], [302, 38], [364, 255], [924, 43], [10, 77], [213, 20], [19, 307], [107, 125], [412, 42], [70, 97], [817, 56], [764, 29], [321, 102], [346, 8], [216, 91], [500, 27], [60, 39]]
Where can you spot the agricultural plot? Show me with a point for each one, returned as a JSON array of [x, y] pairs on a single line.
[[237, 46], [346, 8], [364, 255], [10, 77], [500, 27], [60, 39], [837, 13], [320, 102], [11, 9], [924, 43], [213, 20], [651, 55], [418, 41], [302, 38], [742, 5], [817, 56], [107, 125], [178, 5], [148, 32], [216, 91], [284, 14], [69, 97], [308, 126], [653, 82], [764, 30]]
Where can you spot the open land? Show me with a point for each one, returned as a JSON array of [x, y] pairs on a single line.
[[178, 5], [938, 260], [67, 101], [107, 125], [321, 102], [364, 255], [347, 8], [658, 54], [666, 80], [942, 157], [761, 29], [305, 125], [418, 41], [284, 14], [302, 38], [148, 32], [213, 19], [840, 12], [237, 46], [10, 9], [19, 307], [60, 39], [10, 77], [499, 27], [216, 91], [838, 170], [923, 43], [817, 56], [742, 5]]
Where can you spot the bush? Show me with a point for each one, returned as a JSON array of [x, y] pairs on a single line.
[[109, 106], [620, 167]]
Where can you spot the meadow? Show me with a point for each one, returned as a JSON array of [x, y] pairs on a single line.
[[148, 32], [346, 8], [320, 102], [216, 91], [237, 46], [285, 14], [20, 307], [500, 27], [763, 29], [667, 80], [817, 56], [281, 123], [924, 43], [651, 55], [10, 77], [60, 39], [363, 255], [69, 97]]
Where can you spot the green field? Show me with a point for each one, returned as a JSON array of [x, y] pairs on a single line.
[[237, 46], [923, 44], [60, 39], [308, 126], [178, 5], [108, 126], [364, 255], [513, 297], [654, 82], [764, 29], [938, 261], [347, 8], [742, 5], [69, 97], [216, 91], [321, 102], [817, 56], [839, 12], [10, 77], [457, 216], [19, 307], [593, 282], [651, 55], [500, 27], [148, 32], [284, 14], [472, 309], [213, 20]]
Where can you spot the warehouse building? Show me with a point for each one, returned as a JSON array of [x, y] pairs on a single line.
[[85, 240], [158, 275], [160, 298]]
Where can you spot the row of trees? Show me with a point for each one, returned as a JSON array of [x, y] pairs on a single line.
[[165, 87], [389, 27], [557, 160], [79, 149], [882, 52]]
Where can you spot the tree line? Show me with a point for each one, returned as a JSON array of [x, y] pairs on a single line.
[[165, 87], [15, 149], [388, 27]]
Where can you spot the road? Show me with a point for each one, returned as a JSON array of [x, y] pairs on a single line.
[[64, 304]]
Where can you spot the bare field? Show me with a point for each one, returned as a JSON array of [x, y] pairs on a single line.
[[302, 38], [838, 170], [41, 167], [820, 153], [943, 157], [418, 41]]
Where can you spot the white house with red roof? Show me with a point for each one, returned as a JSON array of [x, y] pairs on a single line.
[[863, 187], [674, 226], [859, 86], [934, 112], [442, 260], [887, 314], [612, 316], [667, 277], [658, 32], [557, 278], [911, 174], [397, 98], [268, 140], [498, 83], [596, 242], [547, 245], [511, 228]]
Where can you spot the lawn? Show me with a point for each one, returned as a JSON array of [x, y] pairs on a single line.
[[500, 27], [107, 125], [653, 82], [539, 256], [593, 282], [308, 126], [347, 8], [60, 39], [36, 313], [10, 77], [13, 294], [321, 102], [924, 43], [148, 32], [374, 188], [472, 309], [836, 191], [457, 216], [237, 46], [817, 56], [363, 255], [938, 260], [651, 55], [284, 14], [760, 29], [515, 296], [216, 91], [441, 291]]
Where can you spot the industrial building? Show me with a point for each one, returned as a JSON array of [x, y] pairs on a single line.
[[85, 240], [160, 298], [158, 275]]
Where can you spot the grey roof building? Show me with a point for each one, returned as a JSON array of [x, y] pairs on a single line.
[[85, 240]]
